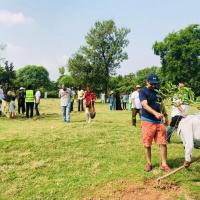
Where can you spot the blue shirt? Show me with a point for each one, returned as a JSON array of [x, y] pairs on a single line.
[[153, 102]]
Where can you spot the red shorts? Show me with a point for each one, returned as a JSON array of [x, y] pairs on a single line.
[[152, 131]]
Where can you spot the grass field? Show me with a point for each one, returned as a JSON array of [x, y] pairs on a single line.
[[45, 158]]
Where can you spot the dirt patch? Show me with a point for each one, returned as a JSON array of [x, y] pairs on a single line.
[[123, 190]]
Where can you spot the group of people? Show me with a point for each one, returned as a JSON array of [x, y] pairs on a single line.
[[117, 101], [66, 94], [144, 101], [154, 120], [27, 100]]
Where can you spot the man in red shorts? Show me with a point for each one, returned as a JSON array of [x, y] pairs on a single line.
[[152, 122]]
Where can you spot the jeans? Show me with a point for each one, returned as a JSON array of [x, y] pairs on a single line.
[[66, 112], [112, 105], [170, 130]]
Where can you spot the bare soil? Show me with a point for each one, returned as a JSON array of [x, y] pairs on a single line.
[[150, 190]]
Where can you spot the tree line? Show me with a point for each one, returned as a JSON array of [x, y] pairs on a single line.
[[96, 63]]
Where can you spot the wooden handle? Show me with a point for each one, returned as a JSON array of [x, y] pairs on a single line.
[[176, 170]]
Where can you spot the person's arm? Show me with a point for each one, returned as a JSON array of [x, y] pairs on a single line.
[[151, 110], [133, 100], [182, 111]]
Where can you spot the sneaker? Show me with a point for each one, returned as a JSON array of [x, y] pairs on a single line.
[[165, 168], [148, 167]]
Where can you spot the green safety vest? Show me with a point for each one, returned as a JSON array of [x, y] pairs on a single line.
[[29, 96]]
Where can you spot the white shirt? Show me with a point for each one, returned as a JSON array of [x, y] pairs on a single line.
[[80, 94], [37, 96], [135, 96], [189, 131], [65, 96]]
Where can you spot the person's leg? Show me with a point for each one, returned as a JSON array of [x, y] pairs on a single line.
[[27, 109], [148, 131], [19, 108], [163, 154], [134, 112], [23, 108], [79, 104], [161, 139], [125, 106], [147, 151], [87, 111], [68, 112], [72, 106], [64, 113], [82, 109], [31, 109], [36, 109]]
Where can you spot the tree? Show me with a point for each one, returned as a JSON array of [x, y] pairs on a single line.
[[34, 76], [102, 55], [61, 70], [180, 57], [66, 80], [81, 70]]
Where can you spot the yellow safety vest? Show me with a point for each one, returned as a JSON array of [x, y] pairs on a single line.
[[29, 96]]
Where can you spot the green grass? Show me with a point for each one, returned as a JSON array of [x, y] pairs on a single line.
[[46, 158]]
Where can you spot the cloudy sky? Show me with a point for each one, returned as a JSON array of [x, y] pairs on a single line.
[[48, 32]]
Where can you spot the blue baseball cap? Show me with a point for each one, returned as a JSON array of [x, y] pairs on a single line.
[[153, 79]]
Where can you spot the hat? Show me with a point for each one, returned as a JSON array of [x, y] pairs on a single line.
[[21, 88], [138, 86], [153, 79]]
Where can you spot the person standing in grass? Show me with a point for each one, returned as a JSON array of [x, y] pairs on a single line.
[[153, 114], [12, 107], [90, 98], [112, 100], [65, 102], [124, 100], [136, 104], [37, 101], [80, 99], [21, 101], [29, 102]]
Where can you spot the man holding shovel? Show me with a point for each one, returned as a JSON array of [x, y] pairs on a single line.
[[151, 122]]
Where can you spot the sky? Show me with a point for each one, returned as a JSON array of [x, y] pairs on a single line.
[[48, 32]]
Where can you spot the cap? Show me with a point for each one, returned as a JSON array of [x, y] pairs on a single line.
[[138, 86], [21, 88], [153, 79]]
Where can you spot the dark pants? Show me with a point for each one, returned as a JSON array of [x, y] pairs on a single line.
[[124, 105], [134, 114], [36, 109], [29, 109], [72, 106], [21, 107], [173, 125], [80, 105]]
